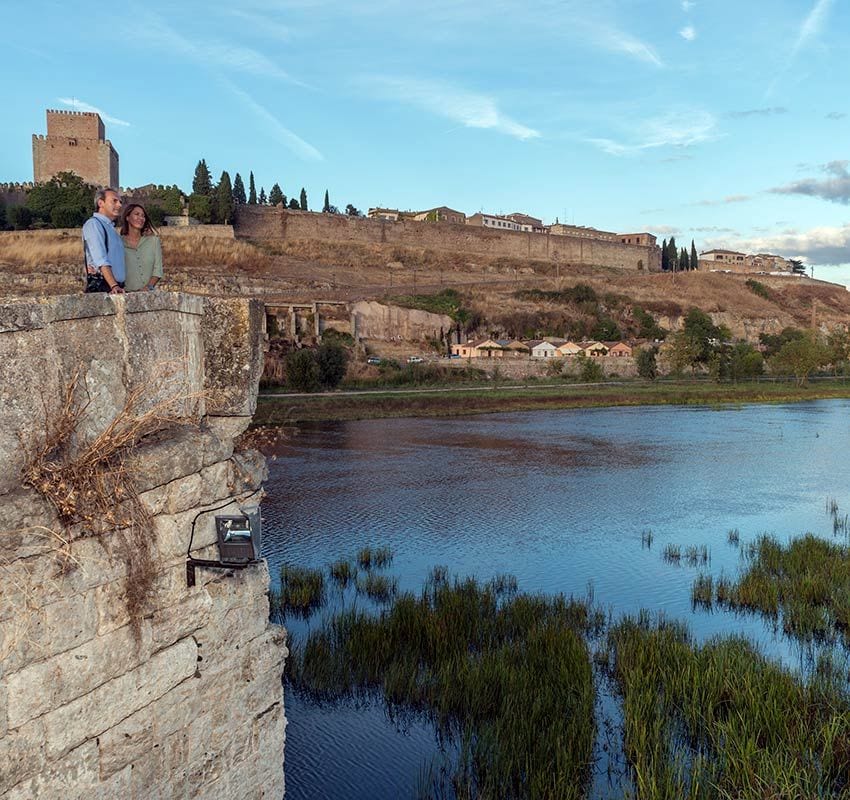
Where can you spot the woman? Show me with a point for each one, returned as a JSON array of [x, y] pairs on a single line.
[[142, 249]]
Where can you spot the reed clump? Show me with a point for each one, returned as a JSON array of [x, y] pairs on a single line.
[[733, 536], [377, 557], [380, 588], [721, 721], [343, 572], [672, 553], [646, 538], [302, 591], [506, 675]]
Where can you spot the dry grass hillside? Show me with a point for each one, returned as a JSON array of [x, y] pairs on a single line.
[[495, 290]]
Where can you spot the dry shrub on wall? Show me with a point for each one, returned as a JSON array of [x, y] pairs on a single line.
[[90, 483]]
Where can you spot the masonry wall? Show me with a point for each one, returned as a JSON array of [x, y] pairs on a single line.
[[259, 222], [185, 699]]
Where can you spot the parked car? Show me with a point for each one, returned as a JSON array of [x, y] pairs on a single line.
[[415, 360], [373, 360]]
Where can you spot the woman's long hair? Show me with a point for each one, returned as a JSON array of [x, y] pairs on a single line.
[[124, 227]]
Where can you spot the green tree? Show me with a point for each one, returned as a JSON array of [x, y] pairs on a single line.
[[589, 369], [19, 218], [65, 191], [332, 360], [745, 362], [703, 335], [797, 266], [672, 255], [648, 327], [293, 204], [665, 256], [302, 371], [224, 204], [801, 357], [684, 261], [647, 363], [2, 216], [606, 330], [327, 205], [252, 190], [838, 343], [239, 196], [303, 203], [276, 195], [773, 343], [694, 256], [201, 207], [202, 182], [352, 211], [262, 199]]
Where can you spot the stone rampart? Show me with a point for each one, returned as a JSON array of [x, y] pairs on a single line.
[[178, 692], [259, 222]]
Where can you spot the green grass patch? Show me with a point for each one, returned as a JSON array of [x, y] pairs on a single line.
[[448, 301], [343, 572], [378, 557], [380, 588], [721, 721], [302, 590], [506, 675]]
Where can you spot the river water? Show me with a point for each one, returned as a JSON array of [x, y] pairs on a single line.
[[561, 500]]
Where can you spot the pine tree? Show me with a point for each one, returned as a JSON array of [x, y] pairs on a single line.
[[694, 256], [224, 200], [252, 191], [683, 260], [262, 196], [327, 206], [276, 195], [303, 203], [293, 204], [238, 190], [665, 256], [202, 182]]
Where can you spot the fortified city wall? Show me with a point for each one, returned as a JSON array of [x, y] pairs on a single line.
[[258, 222], [116, 678]]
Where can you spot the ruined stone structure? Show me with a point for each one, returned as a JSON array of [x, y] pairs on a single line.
[[180, 694], [261, 222], [75, 142]]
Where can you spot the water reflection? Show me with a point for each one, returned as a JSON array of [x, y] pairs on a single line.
[[559, 499]]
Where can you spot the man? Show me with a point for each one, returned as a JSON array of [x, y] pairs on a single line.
[[102, 246]]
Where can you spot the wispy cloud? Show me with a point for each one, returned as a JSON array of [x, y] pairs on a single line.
[[214, 54], [729, 199], [671, 130], [285, 136], [80, 105], [758, 112], [688, 33], [812, 25], [263, 26], [621, 42], [835, 188], [836, 115], [469, 109]]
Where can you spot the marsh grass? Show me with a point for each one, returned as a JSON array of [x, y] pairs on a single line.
[[646, 538], [302, 591], [807, 582], [506, 675], [702, 592], [380, 588], [721, 721], [672, 554], [696, 555], [733, 536], [377, 557], [343, 572]]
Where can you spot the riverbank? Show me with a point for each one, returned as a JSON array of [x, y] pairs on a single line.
[[276, 408]]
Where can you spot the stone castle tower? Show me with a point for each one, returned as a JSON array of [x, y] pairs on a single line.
[[75, 142]]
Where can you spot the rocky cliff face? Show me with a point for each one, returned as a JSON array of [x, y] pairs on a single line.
[[117, 679]]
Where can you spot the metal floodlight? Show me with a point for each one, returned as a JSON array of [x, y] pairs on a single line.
[[239, 542]]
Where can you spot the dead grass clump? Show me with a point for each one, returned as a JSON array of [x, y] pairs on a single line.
[[90, 484], [205, 251], [34, 248]]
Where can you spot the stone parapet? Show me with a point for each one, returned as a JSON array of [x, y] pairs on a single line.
[[96, 699]]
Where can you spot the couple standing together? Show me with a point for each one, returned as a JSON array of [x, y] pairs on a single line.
[[127, 258]]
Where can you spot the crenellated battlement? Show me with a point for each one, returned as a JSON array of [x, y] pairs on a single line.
[[75, 142]]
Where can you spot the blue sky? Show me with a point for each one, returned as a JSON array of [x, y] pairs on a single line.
[[725, 122]]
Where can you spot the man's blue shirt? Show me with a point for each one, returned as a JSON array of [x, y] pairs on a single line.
[[103, 246]]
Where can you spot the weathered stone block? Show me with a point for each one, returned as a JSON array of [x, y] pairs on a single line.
[[21, 754], [127, 742], [36, 689], [178, 621], [90, 716]]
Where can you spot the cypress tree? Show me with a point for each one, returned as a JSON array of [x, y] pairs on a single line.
[[238, 190], [262, 196], [665, 256], [276, 195], [683, 260], [303, 203], [224, 200], [694, 256], [672, 254], [327, 206], [252, 191], [202, 182]]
